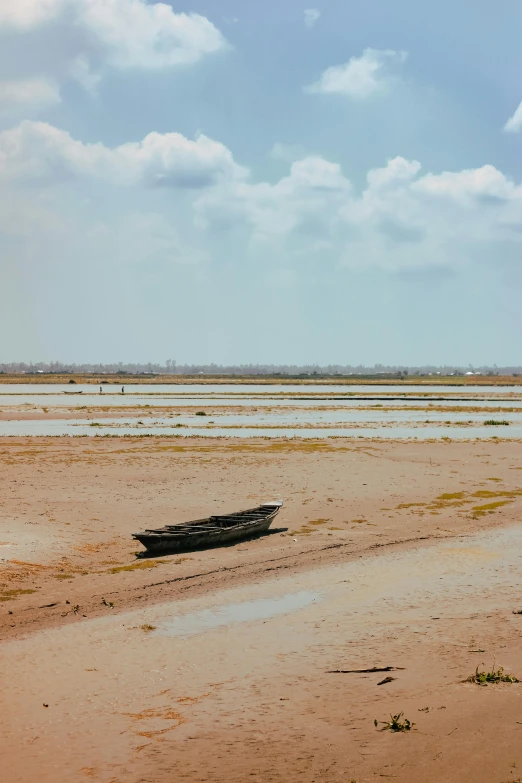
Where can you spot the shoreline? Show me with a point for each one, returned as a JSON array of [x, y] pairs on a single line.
[[261, 380]]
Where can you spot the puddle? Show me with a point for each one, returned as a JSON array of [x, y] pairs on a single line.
[[246, 611]]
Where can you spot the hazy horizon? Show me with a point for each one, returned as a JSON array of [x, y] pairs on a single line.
[[173, 368], [232, 183]]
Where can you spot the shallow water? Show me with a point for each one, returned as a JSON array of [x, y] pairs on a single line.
[[269, 411], [386, 584], [265, 401], [122, 427], [245, 611], [114, 390]]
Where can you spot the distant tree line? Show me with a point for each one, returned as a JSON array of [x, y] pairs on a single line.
[[171, 367]]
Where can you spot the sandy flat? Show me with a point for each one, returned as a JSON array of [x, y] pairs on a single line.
[[376, 559]]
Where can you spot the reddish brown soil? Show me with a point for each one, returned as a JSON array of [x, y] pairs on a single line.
[[253, 708]]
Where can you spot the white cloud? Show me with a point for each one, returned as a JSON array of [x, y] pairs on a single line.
[[38, 151], [402, 220], [141, 35], [486, 182], [361, 76], [311, 15], [132, 33], [310, 196], [27, 95], [24, 14], [514, 124]]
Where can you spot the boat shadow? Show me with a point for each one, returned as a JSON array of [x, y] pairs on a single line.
[[151, 556]]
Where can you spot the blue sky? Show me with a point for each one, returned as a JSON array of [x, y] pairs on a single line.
[[261, 182]]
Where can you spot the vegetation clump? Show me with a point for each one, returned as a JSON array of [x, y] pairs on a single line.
[[396, 723], [496, 423], [493, 677], [488, 508], [8, 595]]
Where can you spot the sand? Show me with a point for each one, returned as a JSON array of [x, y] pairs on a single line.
[[82, 618]]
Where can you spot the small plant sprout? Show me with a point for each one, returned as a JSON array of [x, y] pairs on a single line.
[[107, 603], [493, 677], [396, 723]]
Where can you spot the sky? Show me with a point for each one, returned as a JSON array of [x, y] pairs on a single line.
[[244, 181]]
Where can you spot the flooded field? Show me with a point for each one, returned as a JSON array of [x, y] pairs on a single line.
[[255, 410]]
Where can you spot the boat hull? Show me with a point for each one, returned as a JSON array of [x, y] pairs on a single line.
[[173, 540]]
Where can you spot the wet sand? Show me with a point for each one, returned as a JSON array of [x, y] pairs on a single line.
[[375, 561]]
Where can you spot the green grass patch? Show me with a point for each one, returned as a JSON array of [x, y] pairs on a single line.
[[396, 723], [491, 678]]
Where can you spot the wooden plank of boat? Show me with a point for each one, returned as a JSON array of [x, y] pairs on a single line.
[[213, 531]]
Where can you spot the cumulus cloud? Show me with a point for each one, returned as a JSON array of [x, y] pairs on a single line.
[[141, 35], [484, 183], [24, 14], [131, 33], [38, 151], [361, 76], [514, 124], [27, 95], [311, 194], [311, 15], [401, 220]]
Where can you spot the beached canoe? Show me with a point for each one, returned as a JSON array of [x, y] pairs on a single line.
[[210, 532]]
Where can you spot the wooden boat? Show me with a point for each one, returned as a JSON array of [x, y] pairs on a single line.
[[210, 532]]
